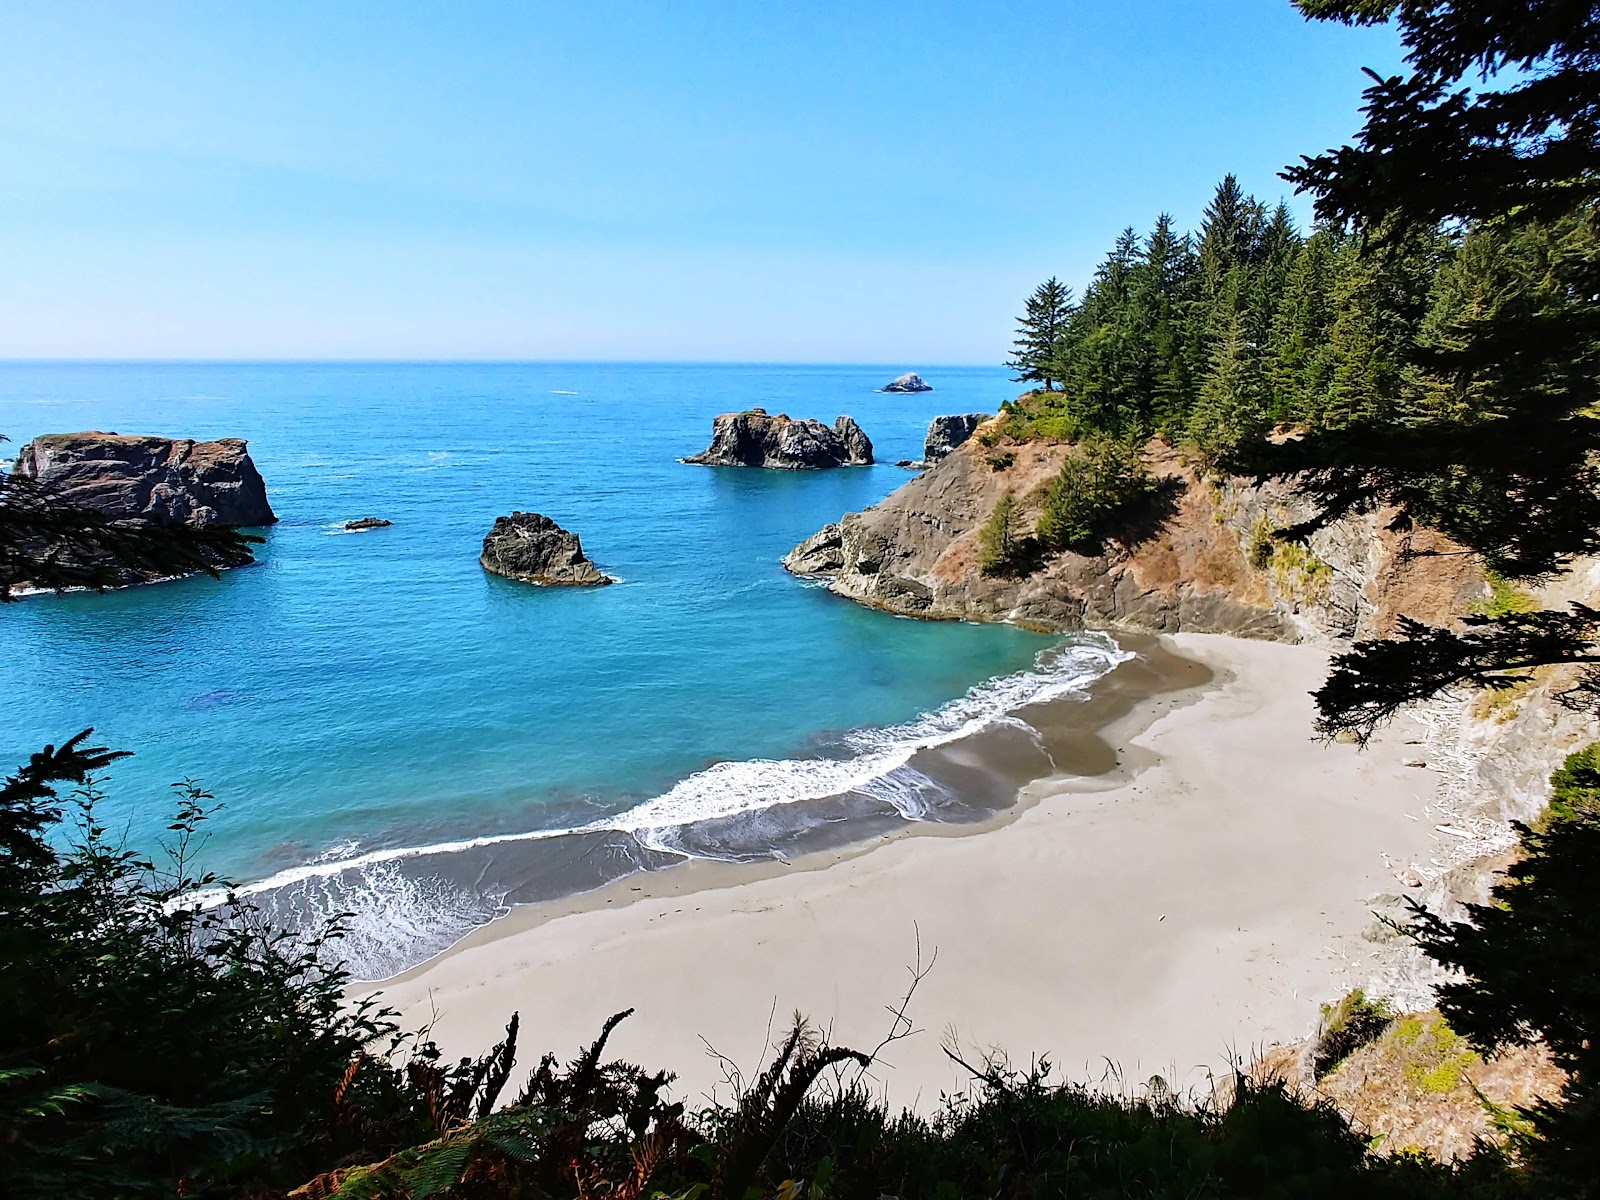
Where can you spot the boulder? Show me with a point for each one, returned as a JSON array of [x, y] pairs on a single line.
[[755, 439], [533, 548], [946, 433], [909, 382], [366, 523], [170, 481]]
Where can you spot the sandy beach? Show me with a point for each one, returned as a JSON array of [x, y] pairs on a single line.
[[1190, 887]]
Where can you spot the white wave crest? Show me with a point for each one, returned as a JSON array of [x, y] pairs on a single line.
[[876, 768]]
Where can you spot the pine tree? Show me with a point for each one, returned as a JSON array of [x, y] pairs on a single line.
[[997, 540], [1039, 330], [1299, 365], [1231, 408]]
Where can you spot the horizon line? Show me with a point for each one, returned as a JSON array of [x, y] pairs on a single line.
[[475, 362]]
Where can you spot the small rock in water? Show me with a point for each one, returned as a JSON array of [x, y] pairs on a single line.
[[367, 523], [909, 382], [533, 548]]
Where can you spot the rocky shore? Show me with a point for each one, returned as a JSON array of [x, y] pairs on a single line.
[[756, 439], [532, 548], [1198, 558]]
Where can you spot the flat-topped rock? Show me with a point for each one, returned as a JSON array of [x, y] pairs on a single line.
[[946, 433], [909, 382], [170, 481], [755, 439], [533, 548], [362, 523]]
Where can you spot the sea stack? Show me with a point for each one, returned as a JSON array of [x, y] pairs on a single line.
[[909, 382], [168, 481], [755, 439], [946, 433], [534, 549]]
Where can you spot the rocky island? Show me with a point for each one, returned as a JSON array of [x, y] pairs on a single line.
[[909, 382], [136, 482], [532, 548], [364, 523], [170, 481], [754, 439]]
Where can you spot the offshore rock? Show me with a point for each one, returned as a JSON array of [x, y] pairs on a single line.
[[533, 548], [168, 481], [946, 433], [362, 523], [755, 439], [909, 382]]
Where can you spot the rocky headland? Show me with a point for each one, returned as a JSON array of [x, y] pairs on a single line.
[[756, 439], [532, 548], [909, 382], [1199, 557], [169, 481]]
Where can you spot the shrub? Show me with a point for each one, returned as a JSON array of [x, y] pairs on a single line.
[[1097, 482], [1001, 461], [1346, 1027]]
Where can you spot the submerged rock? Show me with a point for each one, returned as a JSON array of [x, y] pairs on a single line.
[[946, 433], [533, 548], [909, 382], [170, 481], [755, 439], [366, 523]]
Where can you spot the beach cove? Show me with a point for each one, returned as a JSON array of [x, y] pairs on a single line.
[[1187, 892]]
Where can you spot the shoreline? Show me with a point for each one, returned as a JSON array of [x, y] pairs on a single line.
[[1152, 906], [1070, 728]]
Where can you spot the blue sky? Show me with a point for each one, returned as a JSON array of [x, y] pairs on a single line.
[[827, 182]]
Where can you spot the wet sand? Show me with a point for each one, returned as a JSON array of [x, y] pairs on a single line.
[[1188, 885]]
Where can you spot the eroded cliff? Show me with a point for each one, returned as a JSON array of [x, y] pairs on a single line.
[[1198, 555]]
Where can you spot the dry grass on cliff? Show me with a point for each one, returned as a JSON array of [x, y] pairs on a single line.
[[1419, 1086]]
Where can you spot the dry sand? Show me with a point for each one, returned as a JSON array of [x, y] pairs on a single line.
[[1191, 890]]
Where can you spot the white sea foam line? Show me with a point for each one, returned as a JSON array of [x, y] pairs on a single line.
[[729, 788]]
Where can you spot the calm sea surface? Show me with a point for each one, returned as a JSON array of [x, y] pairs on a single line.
[[356, 695]]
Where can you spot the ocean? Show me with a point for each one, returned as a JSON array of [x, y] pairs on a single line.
[[395, 734]]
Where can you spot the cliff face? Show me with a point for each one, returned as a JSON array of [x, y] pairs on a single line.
[[1200, 559], [755, 439], [168, 480]]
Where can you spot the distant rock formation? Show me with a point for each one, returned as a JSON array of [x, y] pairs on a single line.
[[533, 548], [366, 523], [170, 481], [754, 439], [946, 433], [909, 382]]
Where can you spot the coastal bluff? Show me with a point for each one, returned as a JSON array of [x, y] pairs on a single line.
[[1198, 558], [167, 481], [754, 438], [532, 548]]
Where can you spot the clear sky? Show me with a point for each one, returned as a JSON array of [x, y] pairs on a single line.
[[853, 181]]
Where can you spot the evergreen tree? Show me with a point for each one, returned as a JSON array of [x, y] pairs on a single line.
[[998, 538], [1231, 408], [1299, 365], [1038, 331], [1494, 128]]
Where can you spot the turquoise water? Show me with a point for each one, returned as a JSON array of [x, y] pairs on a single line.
[[361, 693]]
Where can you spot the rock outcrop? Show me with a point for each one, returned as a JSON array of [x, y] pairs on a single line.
[[946, 433], [533, 548], [755, 439], [1201, 558], [171, 481], [364, 523], [909, 382]]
